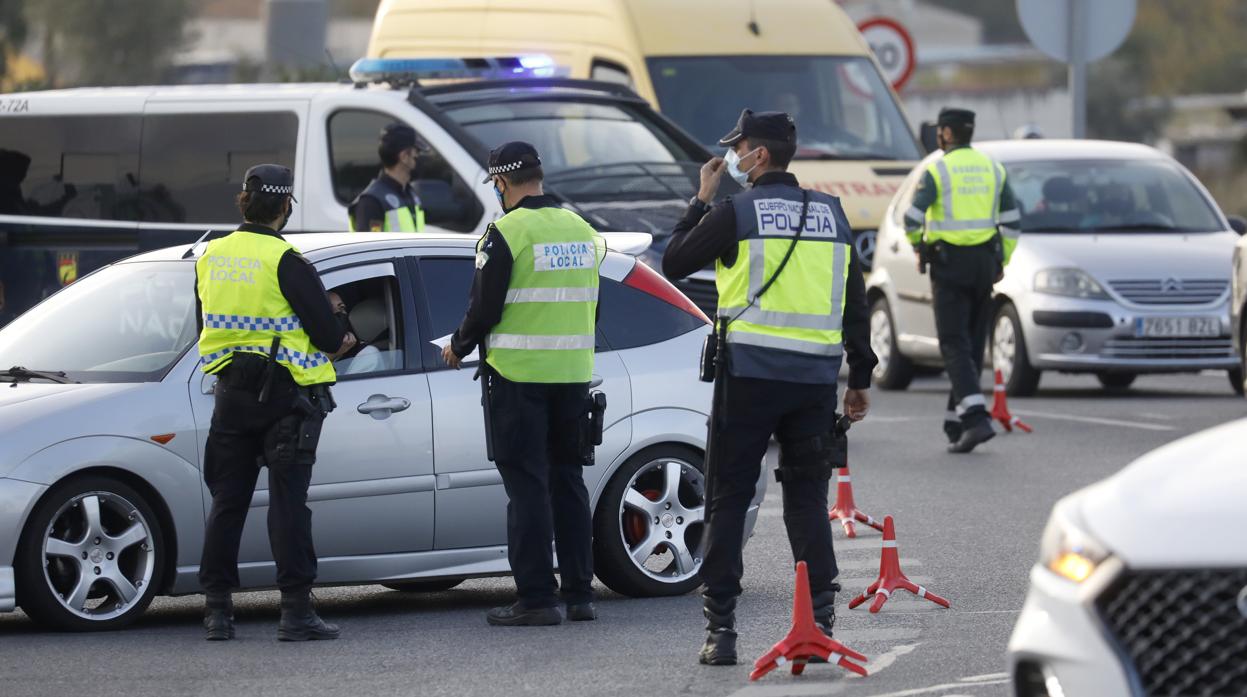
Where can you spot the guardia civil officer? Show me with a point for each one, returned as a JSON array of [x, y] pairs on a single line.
[[793, 300], [970, 218], [532, 311], [389, 203], [268, 334]]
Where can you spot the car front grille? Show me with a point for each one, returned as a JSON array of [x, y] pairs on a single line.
[[1168, 349], [1184, 631], [1171, 291], [702, 293]]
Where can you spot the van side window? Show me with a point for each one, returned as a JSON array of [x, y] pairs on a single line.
[[447, 200], [193, 164], [609, 71], [70, 166]]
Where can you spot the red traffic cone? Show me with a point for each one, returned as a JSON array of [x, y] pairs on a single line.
[[845, 510], [1000, 407], [805, 640], [891, 577]]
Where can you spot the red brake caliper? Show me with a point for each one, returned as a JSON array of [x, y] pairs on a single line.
[[635, 523]]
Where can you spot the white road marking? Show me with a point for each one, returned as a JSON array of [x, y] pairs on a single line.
[[986, 676], [884, 660], [938, 688], [1095, 420]]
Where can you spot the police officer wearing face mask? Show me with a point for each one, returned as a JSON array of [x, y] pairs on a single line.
[[268, 334], [390, 203], [793, 300], [971, 220]]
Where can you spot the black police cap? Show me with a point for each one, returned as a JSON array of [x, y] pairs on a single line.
[[269, 179], [511, 157], [770, 125], [952, 116]]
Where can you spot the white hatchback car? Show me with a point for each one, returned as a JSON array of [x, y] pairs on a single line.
[[1141, 585]]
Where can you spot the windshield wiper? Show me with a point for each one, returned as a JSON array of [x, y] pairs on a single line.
[[828, 155], [19, 373]]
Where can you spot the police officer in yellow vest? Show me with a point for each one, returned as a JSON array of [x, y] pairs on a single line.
[[794, 302], [389, 203], [268, 334], [533, 313], [971, 221]]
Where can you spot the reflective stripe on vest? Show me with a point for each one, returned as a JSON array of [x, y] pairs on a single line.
[[966, 209], [244, 309], [547, 330], [802, 312]]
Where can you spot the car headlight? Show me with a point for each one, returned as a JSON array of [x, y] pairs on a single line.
[[1074, 283], [1068, 550]]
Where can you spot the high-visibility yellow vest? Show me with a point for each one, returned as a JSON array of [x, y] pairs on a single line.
[[800, 317], [244, 309], [548, 323], [398, 217], [967, 207]]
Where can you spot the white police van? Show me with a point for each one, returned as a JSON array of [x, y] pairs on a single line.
[[91, 175]]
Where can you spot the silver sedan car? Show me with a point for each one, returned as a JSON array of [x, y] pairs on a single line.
[[105, 413], [1123, 268]]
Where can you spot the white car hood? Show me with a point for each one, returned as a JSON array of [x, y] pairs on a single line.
[[1121, 255], [36, 414], [1183, 505]]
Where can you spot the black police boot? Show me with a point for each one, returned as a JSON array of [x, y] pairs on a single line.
[[953, 429], [517, 615], [824, 615], [218, 616], [720, 646], [581, 612], [299, 621], [975, 435]]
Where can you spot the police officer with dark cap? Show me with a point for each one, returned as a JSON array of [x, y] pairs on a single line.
[[533, 312], [389, 203], [792, 302], [268, 334], [963, 223]]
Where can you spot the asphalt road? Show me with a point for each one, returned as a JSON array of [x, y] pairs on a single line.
[[968, 529]]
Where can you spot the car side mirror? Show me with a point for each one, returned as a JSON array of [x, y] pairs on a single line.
[[1238, 224], [926, 134]]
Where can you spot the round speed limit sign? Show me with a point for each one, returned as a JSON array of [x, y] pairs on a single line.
[[893, 48]]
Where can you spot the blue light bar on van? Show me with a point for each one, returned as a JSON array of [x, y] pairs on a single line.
[[408, 70]]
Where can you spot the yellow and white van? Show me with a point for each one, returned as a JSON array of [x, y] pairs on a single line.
[[700, 62]]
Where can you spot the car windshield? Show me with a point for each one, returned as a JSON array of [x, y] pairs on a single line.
[[614, 165], [125, 323], [842, 108], [1109, 196]]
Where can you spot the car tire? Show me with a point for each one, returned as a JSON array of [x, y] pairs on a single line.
[[436, 585], [894, 371], [1009, 354], [92, 539], [1116, 381], [648, 524], [1236, 381]]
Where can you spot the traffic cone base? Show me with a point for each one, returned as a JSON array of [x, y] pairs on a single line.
[[805, 639], [845, 509], [1000, 407], [891, 578]]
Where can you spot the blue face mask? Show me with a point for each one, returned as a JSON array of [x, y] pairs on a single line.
[[498, 193], [733, 166]]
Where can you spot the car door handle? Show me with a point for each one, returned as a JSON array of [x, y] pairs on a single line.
[[380, 406]]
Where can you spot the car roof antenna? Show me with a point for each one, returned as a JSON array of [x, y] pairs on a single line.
[[190, 252]]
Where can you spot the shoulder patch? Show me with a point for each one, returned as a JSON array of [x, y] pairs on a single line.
[[392, 201], [482, 258]]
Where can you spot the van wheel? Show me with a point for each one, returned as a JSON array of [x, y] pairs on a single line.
[[90, 557], [894, 371], [648, 525], [1236, 381], [436, 585], [1009, 355]]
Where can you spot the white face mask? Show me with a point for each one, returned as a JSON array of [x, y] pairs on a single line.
[[733, 166]]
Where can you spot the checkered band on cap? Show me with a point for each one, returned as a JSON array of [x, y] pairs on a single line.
[[510, 167], [272, 189]]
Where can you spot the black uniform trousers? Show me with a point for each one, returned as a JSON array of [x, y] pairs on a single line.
[[755, 409], [961, 288], [536, 429], [233, 457]]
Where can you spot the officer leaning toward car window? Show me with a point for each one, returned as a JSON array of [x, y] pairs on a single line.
[[788, 324], [533, 312], [389, 203], [268, 334], [971, 228]]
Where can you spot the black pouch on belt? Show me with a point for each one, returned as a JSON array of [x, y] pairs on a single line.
[[592, 425], [709, 350]]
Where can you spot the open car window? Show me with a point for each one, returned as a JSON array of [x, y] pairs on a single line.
[[369, 297]]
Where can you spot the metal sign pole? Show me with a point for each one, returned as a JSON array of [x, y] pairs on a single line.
[[1075, 26]]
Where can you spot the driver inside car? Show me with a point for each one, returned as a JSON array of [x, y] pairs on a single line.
[[366, 357]]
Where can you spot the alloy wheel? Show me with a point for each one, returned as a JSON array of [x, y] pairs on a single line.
[[881, 340], [662, 518]]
